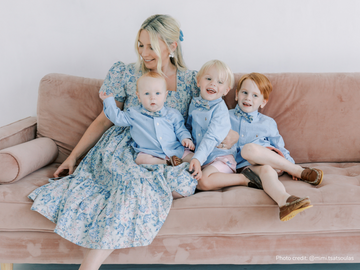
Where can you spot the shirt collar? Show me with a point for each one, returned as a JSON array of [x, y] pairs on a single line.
[[211, 102], [162, 111], [254, 114]]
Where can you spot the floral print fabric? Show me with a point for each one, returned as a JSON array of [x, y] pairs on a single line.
[[110, 202]]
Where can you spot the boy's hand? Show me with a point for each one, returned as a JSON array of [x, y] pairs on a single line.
[[103, 95], [195, 166], [230, 140], [188, 143]]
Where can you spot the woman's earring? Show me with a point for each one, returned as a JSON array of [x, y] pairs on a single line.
[[171, 55]]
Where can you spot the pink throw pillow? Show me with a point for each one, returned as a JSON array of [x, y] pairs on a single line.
[[22, 159]]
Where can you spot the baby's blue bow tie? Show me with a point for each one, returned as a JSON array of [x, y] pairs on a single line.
[[239, 113], [151, 114], [200, 103]]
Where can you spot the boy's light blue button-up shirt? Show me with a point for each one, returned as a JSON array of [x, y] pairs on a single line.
[[156, 136], [209, 127], [262, 130]]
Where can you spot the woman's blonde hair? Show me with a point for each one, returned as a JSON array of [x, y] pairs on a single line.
[[167, 29], [224, 70], [260, 80]]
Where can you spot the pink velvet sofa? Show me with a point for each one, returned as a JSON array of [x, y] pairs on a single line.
[[318, 116]]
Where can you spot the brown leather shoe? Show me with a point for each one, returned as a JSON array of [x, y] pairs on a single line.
[[312, 176], [175, 161], [293, 206]]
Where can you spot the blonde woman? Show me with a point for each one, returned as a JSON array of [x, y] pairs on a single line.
[[108, 200]]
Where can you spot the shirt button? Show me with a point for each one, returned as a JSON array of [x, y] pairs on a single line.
[[242, 135], [199, 134], [157, 123], [160, 138]]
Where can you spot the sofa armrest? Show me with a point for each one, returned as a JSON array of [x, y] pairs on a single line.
[[18, 132], [22, 159]]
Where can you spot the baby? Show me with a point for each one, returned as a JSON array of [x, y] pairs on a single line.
[[157, 130]]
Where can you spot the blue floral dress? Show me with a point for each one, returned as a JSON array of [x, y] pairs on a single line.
[[110, 202]]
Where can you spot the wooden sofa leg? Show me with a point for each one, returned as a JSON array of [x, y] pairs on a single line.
[[6, 266]]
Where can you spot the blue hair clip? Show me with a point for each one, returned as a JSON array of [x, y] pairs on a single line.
[[181, 37]]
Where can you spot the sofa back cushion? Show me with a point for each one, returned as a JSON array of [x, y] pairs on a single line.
[[317, 114], [67, 105]]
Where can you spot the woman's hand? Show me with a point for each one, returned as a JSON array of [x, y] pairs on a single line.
[[188, 143], [195, 166], [88, 140], [68, 164], [230, 140]]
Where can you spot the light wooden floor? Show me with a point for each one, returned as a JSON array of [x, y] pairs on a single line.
[[193, 267]]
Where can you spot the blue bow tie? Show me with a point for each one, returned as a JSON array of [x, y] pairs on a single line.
[[239, 113], [151, 114], [200, 103]]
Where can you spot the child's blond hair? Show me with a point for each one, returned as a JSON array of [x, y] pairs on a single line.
[[262, 82], [150, 74], [224, 70]]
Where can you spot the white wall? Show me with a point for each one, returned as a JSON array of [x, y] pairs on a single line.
[[85, 37]]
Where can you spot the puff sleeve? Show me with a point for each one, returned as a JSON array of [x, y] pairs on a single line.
[[115, 82]]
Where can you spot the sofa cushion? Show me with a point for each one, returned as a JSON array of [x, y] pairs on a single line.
[[67, 105], [15, 205], [230, 211], [317, 114], [20, 160]]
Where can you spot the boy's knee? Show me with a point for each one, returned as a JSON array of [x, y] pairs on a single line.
[[203, 184], [249, 151], [139, 160], [267, 170]]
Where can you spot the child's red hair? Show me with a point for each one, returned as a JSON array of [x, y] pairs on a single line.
[[261, 81]]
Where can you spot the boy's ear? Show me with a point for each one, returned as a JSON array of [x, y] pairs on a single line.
[[236, 95], [137, 94], [263, 103], [227, 91]]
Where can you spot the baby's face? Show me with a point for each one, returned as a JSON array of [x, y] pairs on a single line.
[[211, 85], [249, 97], [152, 93]]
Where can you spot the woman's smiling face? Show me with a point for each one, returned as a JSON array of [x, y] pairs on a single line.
[[148, 54]]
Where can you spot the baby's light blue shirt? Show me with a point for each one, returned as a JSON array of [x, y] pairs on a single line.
[[156, 136], [209, 127], [262, 131]]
